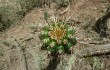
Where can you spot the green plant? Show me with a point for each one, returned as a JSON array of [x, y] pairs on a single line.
[[58, 37]]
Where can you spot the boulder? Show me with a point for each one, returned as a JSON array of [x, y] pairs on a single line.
[[11, 11]]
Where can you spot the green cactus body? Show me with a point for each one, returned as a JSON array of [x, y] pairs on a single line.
[[58, 37]]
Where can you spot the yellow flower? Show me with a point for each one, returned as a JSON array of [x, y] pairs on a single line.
[[57, 33]]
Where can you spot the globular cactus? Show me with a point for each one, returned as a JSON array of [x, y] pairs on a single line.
[[58, 37]]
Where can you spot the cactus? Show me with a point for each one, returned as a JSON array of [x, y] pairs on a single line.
[[58, 37]]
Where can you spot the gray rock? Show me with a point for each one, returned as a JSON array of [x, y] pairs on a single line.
[[11, 11]]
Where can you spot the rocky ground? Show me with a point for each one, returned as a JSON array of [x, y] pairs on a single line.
[[21, 46]]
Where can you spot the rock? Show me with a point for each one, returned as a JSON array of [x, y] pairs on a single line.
[[95, 62], [101, 25], [108, 24], [88, 12], [108, 27], [24, 56], [11, 11]]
